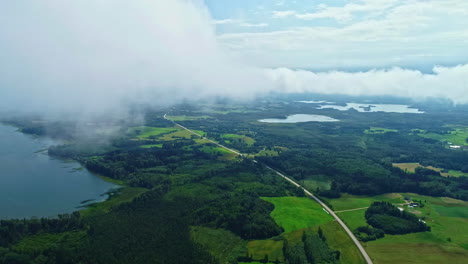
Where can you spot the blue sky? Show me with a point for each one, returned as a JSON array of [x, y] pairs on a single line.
[[344, 34]]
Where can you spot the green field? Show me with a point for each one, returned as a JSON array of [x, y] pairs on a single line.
[[294, 213], [457, 136], [232, 137], [144, 132], [259, 248], [347, 201], [379, 130], [183, 134], [446, 243]]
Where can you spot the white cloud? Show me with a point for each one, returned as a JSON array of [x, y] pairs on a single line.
[[239, 22], [283, 14], [347, 12], [97, 56], [93, 56], [227, 21], [253, 25], [451, 83]]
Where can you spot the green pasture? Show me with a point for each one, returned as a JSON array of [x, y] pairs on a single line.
[[446, 243], [144, 132], [457, 136], [293, 213], [245, 139]]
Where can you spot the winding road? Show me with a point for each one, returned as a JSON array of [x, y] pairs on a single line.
[[327, 209]]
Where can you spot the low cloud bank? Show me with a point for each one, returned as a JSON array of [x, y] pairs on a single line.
[[445, 82], [95, 57]]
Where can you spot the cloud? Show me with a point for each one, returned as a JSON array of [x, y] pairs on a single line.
[[227, 21], [93, 57], [445, 82], [253, 25], [239, 22], [283, 14], [100, 56]]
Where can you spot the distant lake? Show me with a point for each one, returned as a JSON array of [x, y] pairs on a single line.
[[34, 184], [388, 108], [300, 118]]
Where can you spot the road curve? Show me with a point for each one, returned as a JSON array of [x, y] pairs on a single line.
[[327, 209]]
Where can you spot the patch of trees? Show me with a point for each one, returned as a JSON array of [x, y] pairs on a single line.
[[368, 233], [242, 213], [148, 229], [312, 249], [11, 231], [387, 217]]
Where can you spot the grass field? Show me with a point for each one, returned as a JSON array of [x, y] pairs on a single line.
[[144, 132], [182, 133], [411, 168], [347, 201], [247, 140], [294, 213], [458, 136], [446, 243], [259, 248], [222, 244], [379, 130]]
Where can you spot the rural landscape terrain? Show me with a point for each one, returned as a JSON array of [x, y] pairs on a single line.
[[234, 132], [218, 183]]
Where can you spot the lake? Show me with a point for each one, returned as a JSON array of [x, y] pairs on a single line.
[[300, 118], [32, 184], [388, 108]]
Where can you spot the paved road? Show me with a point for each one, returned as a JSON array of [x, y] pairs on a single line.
[[327, 209]]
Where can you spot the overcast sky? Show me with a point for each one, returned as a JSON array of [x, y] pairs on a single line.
[[93, 56]]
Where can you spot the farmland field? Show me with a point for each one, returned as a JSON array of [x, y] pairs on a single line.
[[458, 136], [447, 240], [294, 213]]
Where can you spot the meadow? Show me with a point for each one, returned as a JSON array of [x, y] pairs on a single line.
[[446, 243], [294, 213], [457, 136]]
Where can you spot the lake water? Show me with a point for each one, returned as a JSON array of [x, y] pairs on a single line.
[[32, 184], [300, 118], [388, 108]]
